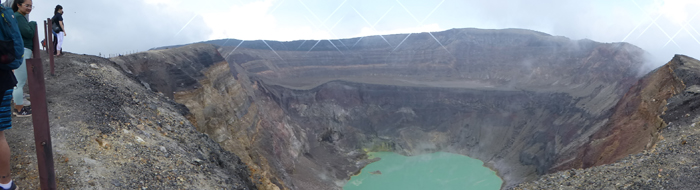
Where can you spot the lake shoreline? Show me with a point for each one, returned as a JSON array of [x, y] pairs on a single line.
[[442, 170]]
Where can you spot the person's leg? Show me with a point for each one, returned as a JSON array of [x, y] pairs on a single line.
[[4, 160], [59, 47], [5, 123], [21, 75], [55, 42]]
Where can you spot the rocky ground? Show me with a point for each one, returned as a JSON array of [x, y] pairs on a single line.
[[673, 163], [110, 132]]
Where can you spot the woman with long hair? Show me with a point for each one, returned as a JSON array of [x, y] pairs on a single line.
[[59, 29], [22, 9]]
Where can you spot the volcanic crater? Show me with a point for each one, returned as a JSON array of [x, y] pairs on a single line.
[[302, 114]]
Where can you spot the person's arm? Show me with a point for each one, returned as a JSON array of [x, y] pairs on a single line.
[[32, 26], [24, 27], [62, 28]]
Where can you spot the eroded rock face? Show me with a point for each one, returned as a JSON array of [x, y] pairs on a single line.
[[524, 102], [170, 71], [670, 163], [110, 132], [218, 104], [636, 122]]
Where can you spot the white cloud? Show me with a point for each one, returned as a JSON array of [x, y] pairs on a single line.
[[679, 11], [129, 25], [254, 21], [168, 2], [118, 27]]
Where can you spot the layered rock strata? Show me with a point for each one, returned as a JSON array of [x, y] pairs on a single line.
[[108, 131], [669, 143], [301, 113]]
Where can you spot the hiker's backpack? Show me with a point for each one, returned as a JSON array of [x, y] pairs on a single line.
[[11, 44]]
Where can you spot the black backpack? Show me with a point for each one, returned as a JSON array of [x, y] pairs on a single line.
[[55, 26]]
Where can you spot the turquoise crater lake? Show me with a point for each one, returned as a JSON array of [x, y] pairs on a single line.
[[438, 170]]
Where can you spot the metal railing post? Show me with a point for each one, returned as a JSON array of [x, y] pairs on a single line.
[[46, 40], [40, 118], [49, 43]]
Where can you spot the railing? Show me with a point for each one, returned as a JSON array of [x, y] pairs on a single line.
[[120, 54], [48, 35], [40, 114]]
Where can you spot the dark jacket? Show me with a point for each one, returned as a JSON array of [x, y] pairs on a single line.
[[7, 77], [7, 80], [27, 30]]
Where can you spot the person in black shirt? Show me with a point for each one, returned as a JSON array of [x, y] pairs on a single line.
[[58, 29]]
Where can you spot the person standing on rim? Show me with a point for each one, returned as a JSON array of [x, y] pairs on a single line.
[[58, 29], [22, 8]]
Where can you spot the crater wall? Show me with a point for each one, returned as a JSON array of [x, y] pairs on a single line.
[[526, 103], [301, 114]]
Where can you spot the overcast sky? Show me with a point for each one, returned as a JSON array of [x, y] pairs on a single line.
[[662, 27]]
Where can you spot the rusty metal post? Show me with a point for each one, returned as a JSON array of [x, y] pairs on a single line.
[[46, 39], [50, 41], [40, 118]]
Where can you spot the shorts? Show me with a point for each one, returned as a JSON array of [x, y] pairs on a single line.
[[6, 111]]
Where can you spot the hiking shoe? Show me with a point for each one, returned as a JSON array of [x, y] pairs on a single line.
[[25, 112], [13, 187]]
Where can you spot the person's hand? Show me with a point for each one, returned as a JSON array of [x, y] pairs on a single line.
[[64, 33]]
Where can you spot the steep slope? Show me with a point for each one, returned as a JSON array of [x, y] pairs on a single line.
[[301, 114], [671, 162], [219, 104], [636, 122], [523, 102], [110, 132], [239, 116]]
